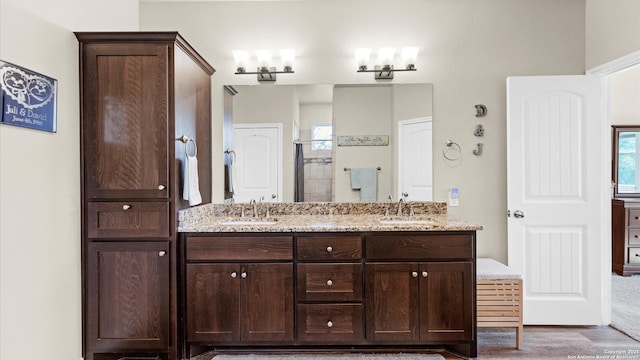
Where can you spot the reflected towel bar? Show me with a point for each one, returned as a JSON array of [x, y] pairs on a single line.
[[349, 169]]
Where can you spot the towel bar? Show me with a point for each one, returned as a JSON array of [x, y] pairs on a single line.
[[349, 169]]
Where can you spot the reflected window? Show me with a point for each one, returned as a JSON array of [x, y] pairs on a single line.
[[627, 162], [321, 136]]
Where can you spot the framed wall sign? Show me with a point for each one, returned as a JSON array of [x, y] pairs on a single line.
[[28, 99]]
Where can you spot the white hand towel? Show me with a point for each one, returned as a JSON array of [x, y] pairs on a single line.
[[191, 186]]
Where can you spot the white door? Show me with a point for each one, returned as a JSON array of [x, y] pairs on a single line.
[[257, 167], [558, 194], [415, 160]]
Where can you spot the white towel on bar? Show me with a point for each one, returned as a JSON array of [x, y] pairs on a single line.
[[191, 186]]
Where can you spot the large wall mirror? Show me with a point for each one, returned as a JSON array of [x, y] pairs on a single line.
[[626, 161], [278, 137]]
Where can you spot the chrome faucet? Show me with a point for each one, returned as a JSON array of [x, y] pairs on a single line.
[[400, 202], [255, 207]]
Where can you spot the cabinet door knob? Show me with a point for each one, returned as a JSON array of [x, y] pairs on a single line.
[[329, 282], [126, 207], [330, 323], [162, 253], [414, 274], [329, 249], [243, 275], [424, 274], [234, 275], [161, 187]]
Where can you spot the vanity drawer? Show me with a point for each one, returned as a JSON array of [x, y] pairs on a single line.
[[634, 218], [112, 219], [239, 248], [634, 255], [329, 282], [419, 247], [634, 237], [330, 323], [329, 248]]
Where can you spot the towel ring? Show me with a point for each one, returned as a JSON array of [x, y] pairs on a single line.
[[195, 148], [454, 147]]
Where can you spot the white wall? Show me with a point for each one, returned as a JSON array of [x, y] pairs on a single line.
[[612, 30], [625, 97], [40, 303], [467, 50]]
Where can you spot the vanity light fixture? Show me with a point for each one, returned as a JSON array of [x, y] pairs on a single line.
[[265, 72], [385, 70]]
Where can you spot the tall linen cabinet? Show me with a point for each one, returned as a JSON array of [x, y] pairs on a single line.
[[139, 93]]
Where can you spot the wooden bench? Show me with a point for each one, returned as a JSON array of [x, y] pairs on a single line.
[[499, 297]]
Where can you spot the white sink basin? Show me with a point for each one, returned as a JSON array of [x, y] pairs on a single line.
[[406, 222], [247, 222]]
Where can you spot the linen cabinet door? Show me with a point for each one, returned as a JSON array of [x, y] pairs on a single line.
[[213, 298], [266, 302], [446, 301], [128, 291], [391, 302], [125, 121]]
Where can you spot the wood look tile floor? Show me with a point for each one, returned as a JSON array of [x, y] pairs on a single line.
[[557, 342]]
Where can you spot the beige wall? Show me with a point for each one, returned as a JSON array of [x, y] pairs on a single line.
[[467, 50], [40, 304], [612, 30], [625, 97]]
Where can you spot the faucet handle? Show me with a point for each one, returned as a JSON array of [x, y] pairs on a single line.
[[241, 210], [386, 209], [411, 213]]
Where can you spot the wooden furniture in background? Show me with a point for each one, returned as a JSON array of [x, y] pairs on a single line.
[[625, 236], [139, 92]]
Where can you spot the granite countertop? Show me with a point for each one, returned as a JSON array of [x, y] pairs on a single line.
[[427, 217]]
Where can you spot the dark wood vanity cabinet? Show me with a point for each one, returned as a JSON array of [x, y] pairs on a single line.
[[139, 91], [352, 289], [429, 301], [239, 290]]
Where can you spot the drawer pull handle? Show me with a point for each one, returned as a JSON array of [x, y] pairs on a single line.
[[161, 187], [635, 236], [329, 249], [243, 275], [329, 282], [234, 275], [126, 207], [637, 218], [637, 255], [424, 274], [414, 274], [330, 324], [162, 253]]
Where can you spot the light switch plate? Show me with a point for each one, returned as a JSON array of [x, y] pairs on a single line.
[[454, 197]]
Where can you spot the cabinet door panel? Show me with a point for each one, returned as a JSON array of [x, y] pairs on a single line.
[[392, 302], [266, 304], [213, 295], [126, 121], [446, 301], [128, 295]]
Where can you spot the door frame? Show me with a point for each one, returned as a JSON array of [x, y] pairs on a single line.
[[278, 127], [399, 141], [604, 71]]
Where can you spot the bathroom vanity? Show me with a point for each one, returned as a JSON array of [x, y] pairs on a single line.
[[346, 281]]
